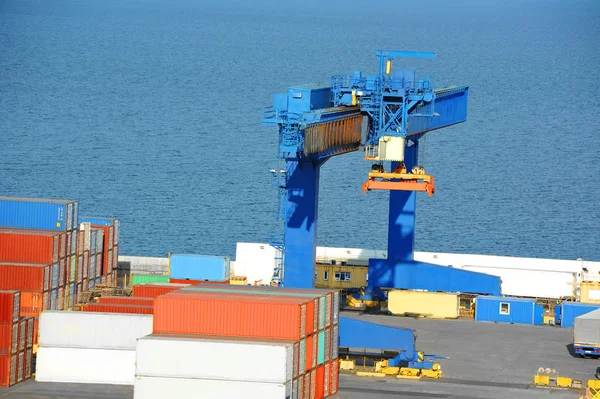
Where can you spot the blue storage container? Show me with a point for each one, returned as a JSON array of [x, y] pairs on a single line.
[[38, 214], [571, 310], [508, 310], [99, 221], [199, 267]]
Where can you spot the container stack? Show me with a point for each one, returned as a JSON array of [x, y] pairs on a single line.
[[16, 341], [93, 348], [106, 257], [292, 333], [195, 269], [99, 263]]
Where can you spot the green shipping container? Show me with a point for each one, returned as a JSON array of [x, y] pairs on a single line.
[[148, 278], [321, 348]]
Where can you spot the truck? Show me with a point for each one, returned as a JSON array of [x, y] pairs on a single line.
[[586, 334]]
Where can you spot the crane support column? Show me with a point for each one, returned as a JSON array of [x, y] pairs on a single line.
[[301, 222]]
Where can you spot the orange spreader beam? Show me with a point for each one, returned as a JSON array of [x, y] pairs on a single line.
[[403, 185]]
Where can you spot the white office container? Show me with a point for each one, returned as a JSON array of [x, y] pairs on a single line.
[[216, 358], [92, 330], [185, 388], [89, 366]]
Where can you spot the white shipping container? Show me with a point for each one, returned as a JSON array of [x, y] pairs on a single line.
[[586, 330], [184, 388], [89, 366], [93, 330], [211, 358]]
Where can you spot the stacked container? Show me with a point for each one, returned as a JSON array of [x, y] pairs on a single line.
[[108, 254], [93, 348], [297, 324], [16, 340]]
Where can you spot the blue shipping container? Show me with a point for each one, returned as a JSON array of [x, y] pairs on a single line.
[[199, 267], [98, 221], [38, 214], [508, 310], [571, 310]]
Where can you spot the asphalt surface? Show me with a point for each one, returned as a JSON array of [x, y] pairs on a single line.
[[485, 360]]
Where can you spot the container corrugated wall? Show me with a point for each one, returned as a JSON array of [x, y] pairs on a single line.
[[148, 278], [25, 277], [36, 214], [230, 315], [429, 304], [126, 300], [29, 246], [116, 308], [199, 267], [154, 290]]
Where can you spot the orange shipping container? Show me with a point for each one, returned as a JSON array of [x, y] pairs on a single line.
[[112, 308], [24, 276], [8, 370], [126, 300], [9, 306], [9, 338], [154, 290], [29, 246], [320, 383], [231, 315]]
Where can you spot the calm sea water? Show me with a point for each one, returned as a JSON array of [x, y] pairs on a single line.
[[149, 111]]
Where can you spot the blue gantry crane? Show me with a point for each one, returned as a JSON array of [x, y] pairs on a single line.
[[385, 115]]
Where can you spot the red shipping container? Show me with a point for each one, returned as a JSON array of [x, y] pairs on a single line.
[[24, 276], [312, 310], [20, 366], [311, 361], [63, 245], [334, 376], [231, 315], [320, 382], [9, 338], [126, 300], [8, 370], [29, 246], [114, 308], [154, 290], [9, 306]]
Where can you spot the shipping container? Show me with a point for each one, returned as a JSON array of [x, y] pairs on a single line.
[[111, 330], [586, 334], [115, 258], [571, 310], [508, 310], [590, 291], [126, 300], [98, 266], [180, 388], [100, 221], [29, 246], [231, 315], [328, 300], [53, 300], [24, 276], [154, 290], [436, 305], [30, 330], [195, 282], [86, 265], [74, 242], [216, 358], [8, 370], [149, 278], [313, 310], [73, 269], [88, 366], [80, 242], [37, 214], [320, 383], [9, 338], [199, 267], [341, 276], [60, 296], [62, 266], [9, 306], [28, 363], [36, 329], [334, 378], [115, 308], [92, 268], [79, 274]]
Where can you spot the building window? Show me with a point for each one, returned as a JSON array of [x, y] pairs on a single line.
[[504, 308], [342, 276], [325, 275]]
